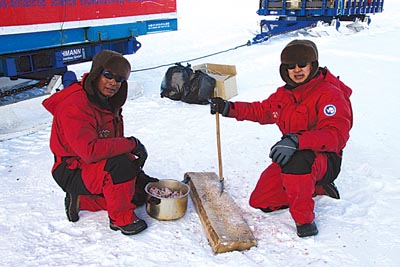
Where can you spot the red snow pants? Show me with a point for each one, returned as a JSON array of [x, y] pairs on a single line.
[[115, 198], [275, 189]]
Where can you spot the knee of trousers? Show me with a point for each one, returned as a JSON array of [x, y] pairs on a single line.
[[300, 163], [70, 180], [121, 169]]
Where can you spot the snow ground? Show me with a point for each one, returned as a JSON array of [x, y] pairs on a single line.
[[360, 229]]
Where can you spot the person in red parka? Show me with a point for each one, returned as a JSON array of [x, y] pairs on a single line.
[[314, 114], [95, 164]]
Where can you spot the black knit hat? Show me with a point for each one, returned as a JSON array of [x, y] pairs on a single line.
[[298, 51]]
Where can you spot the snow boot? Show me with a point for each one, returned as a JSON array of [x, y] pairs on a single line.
[[268, 210], [133, 228], [71, 202], [329, 190], [307, 229]]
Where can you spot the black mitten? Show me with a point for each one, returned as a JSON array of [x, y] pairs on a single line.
[[219, 105], [142, 179], [139, 151]]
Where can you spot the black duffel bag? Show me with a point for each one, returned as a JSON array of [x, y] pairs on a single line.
[[199, 89], [181, 83], [175, 78]]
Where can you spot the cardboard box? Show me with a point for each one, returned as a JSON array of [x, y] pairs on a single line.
[[225, 76]]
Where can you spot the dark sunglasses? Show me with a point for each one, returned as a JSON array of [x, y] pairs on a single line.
[[292, 66], [110, 76]]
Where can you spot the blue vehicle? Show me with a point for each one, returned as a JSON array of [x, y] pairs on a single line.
[[40, 38], [284, 16]]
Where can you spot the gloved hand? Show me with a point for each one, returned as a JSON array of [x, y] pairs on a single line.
[[142, 179], [219, 105], [283, 150], [139, 151]]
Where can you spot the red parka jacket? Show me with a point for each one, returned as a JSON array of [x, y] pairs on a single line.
[[83, 130], [319, 112]]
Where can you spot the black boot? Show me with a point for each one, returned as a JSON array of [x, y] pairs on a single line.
[[71, 203], [268, 210], [133, 228], [331, 190], [142, 179], [308, 229]]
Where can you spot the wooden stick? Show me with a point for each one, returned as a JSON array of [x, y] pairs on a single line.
[[221, 175]]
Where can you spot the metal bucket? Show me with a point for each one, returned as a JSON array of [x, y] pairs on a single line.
[[166, 209]]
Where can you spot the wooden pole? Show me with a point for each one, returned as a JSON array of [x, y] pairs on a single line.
[[221, 175]]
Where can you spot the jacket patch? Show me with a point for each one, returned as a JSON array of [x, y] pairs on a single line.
[[329, 110], [104, 133]]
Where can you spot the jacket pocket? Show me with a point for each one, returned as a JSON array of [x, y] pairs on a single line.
[[299, 119]]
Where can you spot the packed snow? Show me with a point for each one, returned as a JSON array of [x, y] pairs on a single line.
[[360, 229]]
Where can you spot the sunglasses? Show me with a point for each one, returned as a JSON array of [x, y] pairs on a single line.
[[111, 76], [292, 66]]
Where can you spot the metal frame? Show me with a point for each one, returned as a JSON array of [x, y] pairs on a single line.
[[41, 55], [290, 15], [40, 38]]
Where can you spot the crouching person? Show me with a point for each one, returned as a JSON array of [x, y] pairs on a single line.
[[95, 164], [314, 114]]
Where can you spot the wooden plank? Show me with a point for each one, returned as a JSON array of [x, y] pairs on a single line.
[[221, 218]]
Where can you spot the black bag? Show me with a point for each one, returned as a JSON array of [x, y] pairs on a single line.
[[174, 81], [181, 83], [199, 89]]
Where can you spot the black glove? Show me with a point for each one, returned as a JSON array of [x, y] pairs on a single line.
[[283, 150], [219, 105], [139, 151], [142, 179]]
